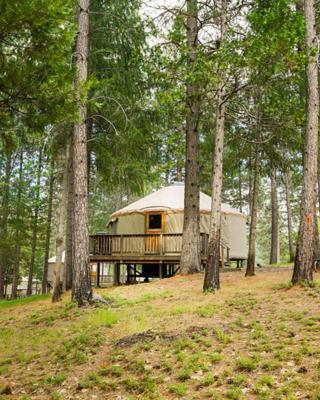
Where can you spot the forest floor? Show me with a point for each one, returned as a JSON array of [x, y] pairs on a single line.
[[257, 338]]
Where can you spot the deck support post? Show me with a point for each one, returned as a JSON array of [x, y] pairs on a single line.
[[98, 275], [160, 270], [222, 257], [116, 274], [135, 273]]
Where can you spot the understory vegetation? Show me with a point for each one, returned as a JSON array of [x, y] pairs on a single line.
[[259, 339]]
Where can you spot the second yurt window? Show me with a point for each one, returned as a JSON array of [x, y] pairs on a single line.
[[154, 221]]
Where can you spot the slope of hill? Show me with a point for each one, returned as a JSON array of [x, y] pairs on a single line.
[[255, 339]]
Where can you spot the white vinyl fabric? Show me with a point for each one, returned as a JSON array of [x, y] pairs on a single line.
[[169, 198], [132, 219]]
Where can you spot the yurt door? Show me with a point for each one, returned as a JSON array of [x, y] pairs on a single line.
[[154, 228]]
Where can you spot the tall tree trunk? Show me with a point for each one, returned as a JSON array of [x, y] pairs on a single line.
[[212, 279], [4, 222], [17, 259], [35, 226], [289, 216], [69, 241], [318, 190], [275, 242], [316, 254], [303, 266], [250, 184], [250, 271], [240, 188], [60, 235], [190, 253], [48, 225], [81, 290]]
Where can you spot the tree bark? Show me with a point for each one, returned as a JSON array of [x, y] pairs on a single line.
[[316, 254], [16, 266], [81, 290], [303, 266], [4, 222], [190, 253], [48, 226], [289, 216], [240, 188], [212, 278], [35, 226], [275, 242], [250, 271], [60, 235], [69, 241]]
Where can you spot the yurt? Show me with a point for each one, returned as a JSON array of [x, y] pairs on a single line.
[[162, 212]]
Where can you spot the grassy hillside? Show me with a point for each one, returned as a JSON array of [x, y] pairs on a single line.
[[255, 339]]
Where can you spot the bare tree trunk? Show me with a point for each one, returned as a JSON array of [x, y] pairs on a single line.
[[60, 235], [275, 242], [250, 184], [48, 225], [35, 226], [69, 241], [289, 216], [303, 266], [190, 253], [250, 271], [316, 254], [212, 279], [81, 290], [318, 191], [240, 188], [16, 266], [4, 222]]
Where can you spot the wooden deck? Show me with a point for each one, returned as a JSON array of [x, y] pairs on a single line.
[[144, 248]]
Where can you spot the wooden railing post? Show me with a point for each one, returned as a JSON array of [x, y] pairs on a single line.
[[161, 244], [121, 244]]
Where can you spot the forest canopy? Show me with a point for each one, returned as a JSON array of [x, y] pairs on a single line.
[[110, 95]]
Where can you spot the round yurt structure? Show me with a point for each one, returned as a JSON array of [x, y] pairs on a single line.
[[162, 212]]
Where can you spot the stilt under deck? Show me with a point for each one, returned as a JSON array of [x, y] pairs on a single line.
[[139, 258]]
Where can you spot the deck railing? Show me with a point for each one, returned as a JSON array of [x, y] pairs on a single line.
[[145, 244]]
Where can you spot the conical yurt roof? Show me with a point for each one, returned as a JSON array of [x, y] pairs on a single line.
[[169, 198]]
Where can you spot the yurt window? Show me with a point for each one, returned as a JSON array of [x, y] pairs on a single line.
[[154, 221]]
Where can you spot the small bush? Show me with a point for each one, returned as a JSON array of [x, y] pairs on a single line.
[[184, 375], [207, 380], [205, 311], [238, 380], [114, 370], [234, 393], [221, 335], [267, 380], [57, 379], [146, 385], [180, 389], [215, 357], [246, 363]]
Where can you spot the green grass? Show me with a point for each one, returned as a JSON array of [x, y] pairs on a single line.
[[246, 363], [168, 340], [24, 300], [180, 389]]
